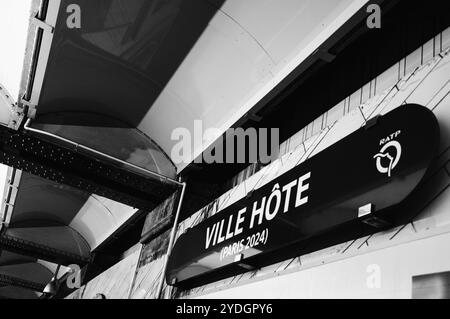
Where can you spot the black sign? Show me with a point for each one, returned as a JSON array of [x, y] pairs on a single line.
[[368, 171]]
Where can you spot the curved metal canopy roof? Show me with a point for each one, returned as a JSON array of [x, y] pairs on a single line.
[[23, 276]]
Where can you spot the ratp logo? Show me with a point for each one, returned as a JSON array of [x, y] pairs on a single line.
[[389, 155]]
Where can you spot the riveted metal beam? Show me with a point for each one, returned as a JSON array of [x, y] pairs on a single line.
[[80, 169], [28, 248], [16, 111], [35, 20], [22, 283]]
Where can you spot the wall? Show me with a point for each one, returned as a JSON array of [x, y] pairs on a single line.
[[115, 282]]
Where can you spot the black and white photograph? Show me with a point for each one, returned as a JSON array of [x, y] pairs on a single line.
[[220, 157]]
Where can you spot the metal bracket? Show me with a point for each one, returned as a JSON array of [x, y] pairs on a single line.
[[376, 222], [41, 24], [17, 115], [253, 117], [324, 55], [31, 112], [365, 213], [372, 122], [16, 118], [9, 204]]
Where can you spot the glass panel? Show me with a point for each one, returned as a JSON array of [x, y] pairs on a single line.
[[108, 136]]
